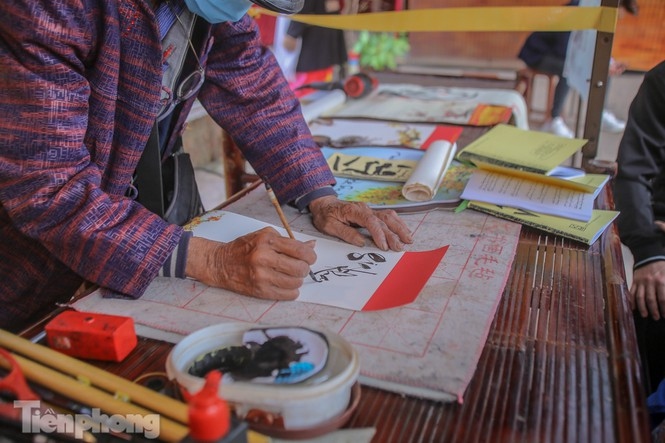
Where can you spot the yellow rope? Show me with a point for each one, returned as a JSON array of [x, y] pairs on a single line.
[[485, 19]]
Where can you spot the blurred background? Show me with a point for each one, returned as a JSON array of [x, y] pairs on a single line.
[[639, 41]]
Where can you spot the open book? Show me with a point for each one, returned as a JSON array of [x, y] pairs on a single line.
[[528, 195], [531, 155]]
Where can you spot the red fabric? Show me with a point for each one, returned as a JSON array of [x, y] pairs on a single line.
[[267, 24], [304, 78]]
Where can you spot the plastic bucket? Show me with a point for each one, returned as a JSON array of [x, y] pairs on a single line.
[[299, 406]]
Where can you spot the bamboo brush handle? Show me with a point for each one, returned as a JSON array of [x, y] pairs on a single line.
[[112, 383]]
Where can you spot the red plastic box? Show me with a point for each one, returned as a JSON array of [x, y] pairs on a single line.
[[92, 336]]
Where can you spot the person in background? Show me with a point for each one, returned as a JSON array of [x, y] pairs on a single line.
[[287, 59], [546, 52], [84, 84], [639, 194], [323, 52]]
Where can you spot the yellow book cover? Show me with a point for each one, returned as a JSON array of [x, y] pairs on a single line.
[[585, 232], [519, 149]]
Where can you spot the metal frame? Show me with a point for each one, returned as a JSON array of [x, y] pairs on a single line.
[[597, 86]]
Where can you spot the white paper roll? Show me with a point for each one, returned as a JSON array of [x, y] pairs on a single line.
[[426, 178], [327, 102]]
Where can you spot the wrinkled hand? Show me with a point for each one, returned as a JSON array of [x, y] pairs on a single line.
[[261, 264], [339, 219], [647, 293]]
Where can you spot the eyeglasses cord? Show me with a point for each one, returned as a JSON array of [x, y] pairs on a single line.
[[187, 33]]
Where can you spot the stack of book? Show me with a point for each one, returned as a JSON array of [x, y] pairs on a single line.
[[519, 176]]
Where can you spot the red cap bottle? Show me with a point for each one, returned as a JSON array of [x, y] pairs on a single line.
[[209, 415], [360, 85]]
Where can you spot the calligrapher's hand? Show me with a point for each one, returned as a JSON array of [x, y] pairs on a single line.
[[647, 294], [261, 264], [339, 218]]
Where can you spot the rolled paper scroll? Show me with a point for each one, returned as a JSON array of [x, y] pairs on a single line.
[[323, 104], [428, 174]]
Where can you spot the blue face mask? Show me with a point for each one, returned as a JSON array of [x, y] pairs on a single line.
[[218, 11]]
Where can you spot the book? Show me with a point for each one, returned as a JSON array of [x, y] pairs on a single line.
[[585, 232], [529, 195], [531, 155], [511, 147]]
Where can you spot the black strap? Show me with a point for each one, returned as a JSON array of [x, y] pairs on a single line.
[[148, 176]]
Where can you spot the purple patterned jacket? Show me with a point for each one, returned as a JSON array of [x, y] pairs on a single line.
[[79, 90]]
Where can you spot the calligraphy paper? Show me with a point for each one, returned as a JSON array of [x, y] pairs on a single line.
[[346, 276], [458, 106], [381, 194], [321, 101], [344, 133], [370, 168], [428, 348]]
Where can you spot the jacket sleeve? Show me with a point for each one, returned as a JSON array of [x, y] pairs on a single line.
[[54, 150], [641, 166], [246, 94]]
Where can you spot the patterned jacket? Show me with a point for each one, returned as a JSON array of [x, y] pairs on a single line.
[[79, 91]]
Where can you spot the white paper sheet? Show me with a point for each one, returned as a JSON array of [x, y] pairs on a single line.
[[344, 276], [355, 281], [505, 190], [429, 348], [324, 102], [432, 104], [343, 133]]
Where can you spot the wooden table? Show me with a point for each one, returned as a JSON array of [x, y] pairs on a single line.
[[560, 363]]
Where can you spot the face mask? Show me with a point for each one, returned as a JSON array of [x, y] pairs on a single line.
[[218, 11]]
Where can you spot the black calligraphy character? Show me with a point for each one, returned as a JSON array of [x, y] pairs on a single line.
[[370, 260], [371, 256], [338, 271]]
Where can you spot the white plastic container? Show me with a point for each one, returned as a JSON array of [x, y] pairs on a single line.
[[301, 406]]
